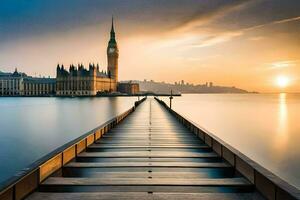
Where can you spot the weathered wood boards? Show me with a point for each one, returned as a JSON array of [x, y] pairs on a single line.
[[268, 184], [147, 181], [26, 182], [151, 156], [148, 156], [147, 164], [145, 196]]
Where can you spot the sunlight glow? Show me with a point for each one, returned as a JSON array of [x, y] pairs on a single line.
[[282, 81]]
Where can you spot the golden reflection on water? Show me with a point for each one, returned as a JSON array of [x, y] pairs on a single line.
[[281, 137]]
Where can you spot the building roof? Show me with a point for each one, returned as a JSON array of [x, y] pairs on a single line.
[[39, 80], [4, 74], [19, 75], [80, 70]]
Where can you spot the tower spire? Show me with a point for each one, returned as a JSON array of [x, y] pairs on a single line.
[[112, 24], [112, 31], [112, 55]]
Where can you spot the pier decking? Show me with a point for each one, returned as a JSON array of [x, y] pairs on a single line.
[[149, 155]]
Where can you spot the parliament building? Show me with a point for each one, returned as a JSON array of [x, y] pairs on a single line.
[[80, 81], [76, 81]]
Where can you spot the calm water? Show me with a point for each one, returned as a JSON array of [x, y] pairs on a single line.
[[265, 127], [32, 127]]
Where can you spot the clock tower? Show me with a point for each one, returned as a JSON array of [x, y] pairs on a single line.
[[112, 55]]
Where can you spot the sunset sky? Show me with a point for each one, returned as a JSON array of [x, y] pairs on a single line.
[[250, 44]]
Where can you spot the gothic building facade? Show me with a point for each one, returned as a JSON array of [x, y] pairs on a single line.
[[19, 84], [79, 81]]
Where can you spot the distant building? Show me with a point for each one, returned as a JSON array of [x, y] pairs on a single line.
[[165, 88], [129, 87], [79, 81], [19, 84]]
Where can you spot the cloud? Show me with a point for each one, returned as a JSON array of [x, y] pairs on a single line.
[[282, 64], [218, 38], [203, 17], [204, 25], [198, 25], [287, 20], [213, 38], [281, 21]]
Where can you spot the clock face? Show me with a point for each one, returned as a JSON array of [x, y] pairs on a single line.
[[111, 50]]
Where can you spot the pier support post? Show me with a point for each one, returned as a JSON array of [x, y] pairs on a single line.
[[171, 98]]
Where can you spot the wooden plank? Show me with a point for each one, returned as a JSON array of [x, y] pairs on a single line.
[[228, 156], [91, 196], [245, 169], [7, 194], [150, 137], [69, 154], [146, 137], [153, 128], [145, 143], [145, 188], [90, 139], [27, 185], [146, 159], [265, 186], [156, 143], [97, 134], [147, 164], [216, 173], [80, 146], [151, 182], [143, 195], [50, 166], [101, 146], [148, 154], [217, 147]]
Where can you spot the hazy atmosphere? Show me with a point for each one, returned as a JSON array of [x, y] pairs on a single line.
[[197, 41], [150, 99]]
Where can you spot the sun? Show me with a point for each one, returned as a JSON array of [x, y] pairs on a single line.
[[282, 81]]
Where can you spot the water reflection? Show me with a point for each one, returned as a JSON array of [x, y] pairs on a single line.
[[39, 125], [281, 137], [265, 127], [113, 104]]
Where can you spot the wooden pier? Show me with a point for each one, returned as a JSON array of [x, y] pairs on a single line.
[[151, 154]]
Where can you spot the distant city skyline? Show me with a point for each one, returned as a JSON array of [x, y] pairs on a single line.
[[179, 82], [253, 45]]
